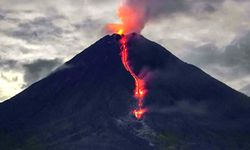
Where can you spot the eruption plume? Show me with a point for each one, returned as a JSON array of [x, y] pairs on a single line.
[[134, 14], [132, 17]]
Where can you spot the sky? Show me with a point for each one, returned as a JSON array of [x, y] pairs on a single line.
[[38, 36]]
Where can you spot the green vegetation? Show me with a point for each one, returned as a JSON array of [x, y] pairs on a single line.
[[167, 141], [16, 142]]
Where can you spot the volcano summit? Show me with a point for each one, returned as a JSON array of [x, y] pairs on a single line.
[[86, 104]]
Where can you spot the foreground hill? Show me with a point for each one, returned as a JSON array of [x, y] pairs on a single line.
[[86, 104]]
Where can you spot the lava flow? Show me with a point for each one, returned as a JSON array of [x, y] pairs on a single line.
[[140, 90], [132, 19]]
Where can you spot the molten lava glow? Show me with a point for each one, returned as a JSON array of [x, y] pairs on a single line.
[[132, 19], [120, 31], [140, 90], [139, 113]]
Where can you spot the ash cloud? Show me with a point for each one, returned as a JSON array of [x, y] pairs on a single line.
[[159, 8], [153, 10]]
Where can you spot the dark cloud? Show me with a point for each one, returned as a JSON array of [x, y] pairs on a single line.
[[238, 53], [2, 16], [205, 55], [39, 69], [234, 57], [38, 30], [156, 9], [7, 64], [9, 15], [90, 24]]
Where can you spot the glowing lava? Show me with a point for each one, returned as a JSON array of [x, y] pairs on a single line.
[[140, 90], [132, 19]]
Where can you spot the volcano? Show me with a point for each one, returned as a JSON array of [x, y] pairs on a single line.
[[86, 104]]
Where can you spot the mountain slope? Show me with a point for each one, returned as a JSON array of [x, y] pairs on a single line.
[[86, 104]]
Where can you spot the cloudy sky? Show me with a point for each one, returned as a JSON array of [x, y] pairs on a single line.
[[37, 36]]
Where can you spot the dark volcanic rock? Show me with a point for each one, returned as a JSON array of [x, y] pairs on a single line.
[[87, 103]]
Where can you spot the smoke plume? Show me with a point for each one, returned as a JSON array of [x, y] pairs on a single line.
[[133, 18], [134, 14]]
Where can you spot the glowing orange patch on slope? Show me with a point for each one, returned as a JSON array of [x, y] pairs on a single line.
[[139, 112]]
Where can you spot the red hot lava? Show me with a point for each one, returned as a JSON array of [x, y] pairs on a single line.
[[132, 20], [140, 90]]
